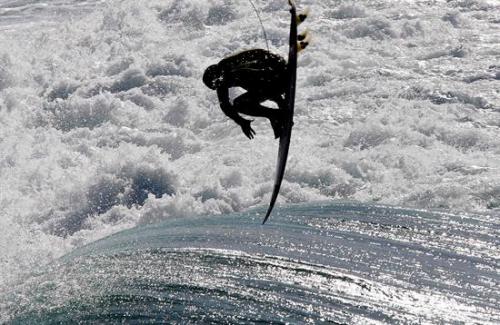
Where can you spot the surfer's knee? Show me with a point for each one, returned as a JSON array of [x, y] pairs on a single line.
[[244, 102], [240, 101]]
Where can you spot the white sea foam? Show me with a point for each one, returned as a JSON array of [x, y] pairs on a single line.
[[105, 123]]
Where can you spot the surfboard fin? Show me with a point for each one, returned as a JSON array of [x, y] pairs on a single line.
[[302, 36], [301, 17], [303, 40]]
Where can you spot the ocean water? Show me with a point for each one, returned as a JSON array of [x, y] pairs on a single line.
[[105, 125], [340, 263]]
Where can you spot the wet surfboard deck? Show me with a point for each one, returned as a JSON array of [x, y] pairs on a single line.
[[284, 144]]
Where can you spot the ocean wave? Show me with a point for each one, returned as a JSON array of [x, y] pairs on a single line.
[[105, 123]]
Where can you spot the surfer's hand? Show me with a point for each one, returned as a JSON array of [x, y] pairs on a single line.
[[247, 129]]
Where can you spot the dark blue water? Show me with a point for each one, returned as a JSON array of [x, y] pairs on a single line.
[[333, 262]]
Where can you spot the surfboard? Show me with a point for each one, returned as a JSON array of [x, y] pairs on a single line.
[[285, 137]]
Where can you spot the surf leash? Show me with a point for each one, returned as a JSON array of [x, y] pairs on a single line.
[[261, 24]]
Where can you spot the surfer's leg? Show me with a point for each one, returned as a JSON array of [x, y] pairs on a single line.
[[250, 104], [278, 121]]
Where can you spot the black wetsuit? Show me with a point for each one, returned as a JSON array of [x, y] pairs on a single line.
[[264, 76]]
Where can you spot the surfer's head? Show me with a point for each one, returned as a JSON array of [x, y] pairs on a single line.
[[212, 77]]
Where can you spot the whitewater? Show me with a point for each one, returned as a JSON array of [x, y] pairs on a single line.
[[105, 124]]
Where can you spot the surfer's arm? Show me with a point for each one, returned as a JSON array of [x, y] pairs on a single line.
[[228, 109], [225, 105]]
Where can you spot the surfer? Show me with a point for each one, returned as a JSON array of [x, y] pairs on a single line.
[[263, 75], [266, 77]]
